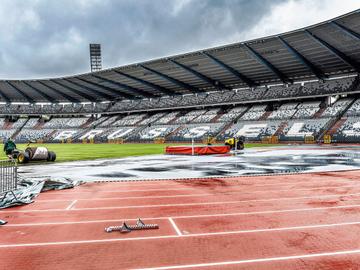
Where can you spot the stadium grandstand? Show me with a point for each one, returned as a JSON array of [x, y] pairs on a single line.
[[244, 156], [297, 85]]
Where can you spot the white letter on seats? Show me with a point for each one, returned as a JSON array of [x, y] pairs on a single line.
[[66, 134], [295, 130], [91, 134], [251, 130], [196, 132], [120, 133]]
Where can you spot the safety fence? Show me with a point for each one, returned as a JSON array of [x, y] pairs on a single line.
[[8, 177]]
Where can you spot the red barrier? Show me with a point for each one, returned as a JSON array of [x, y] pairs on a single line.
[[198, 150]]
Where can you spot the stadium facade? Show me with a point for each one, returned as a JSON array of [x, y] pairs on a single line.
[[297, 86]]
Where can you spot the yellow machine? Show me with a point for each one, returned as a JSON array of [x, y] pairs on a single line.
[[235, 143]]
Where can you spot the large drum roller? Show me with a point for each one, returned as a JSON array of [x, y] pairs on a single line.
[[39, 153]]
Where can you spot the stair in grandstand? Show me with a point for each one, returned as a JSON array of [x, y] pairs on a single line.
[[175, 118], [39, 125], [337, 125], [173, 132], [87, 123], [334, 121], [228, 125], [319, 113], [265, 115], [50, 136], [17, 131], [281, 128], [142, 119], [7, 125], [214, 120]]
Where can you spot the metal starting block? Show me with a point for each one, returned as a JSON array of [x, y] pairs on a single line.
[[125, 228], [2, 222]]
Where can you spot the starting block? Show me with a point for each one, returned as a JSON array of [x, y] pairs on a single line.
[[125, 228], [2, 222]]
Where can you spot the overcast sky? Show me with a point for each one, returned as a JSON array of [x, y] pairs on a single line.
[[49, 38]]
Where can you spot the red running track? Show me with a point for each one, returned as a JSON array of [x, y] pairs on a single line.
[[309, 221]]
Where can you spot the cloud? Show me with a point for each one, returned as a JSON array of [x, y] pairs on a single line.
[[49, 38]]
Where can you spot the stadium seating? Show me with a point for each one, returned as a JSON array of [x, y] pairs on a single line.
[[306, 110], [285, 111], [254, 113], [252, 130], [298, 129], [337, 108], [190, 116], [66, 122], [153, 132], [232, 114], [196, 131]]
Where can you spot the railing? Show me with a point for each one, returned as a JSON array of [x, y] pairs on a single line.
[[8, 177]]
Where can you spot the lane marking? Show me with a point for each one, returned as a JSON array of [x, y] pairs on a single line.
[[160, 205], [160, 196], [183, 235], [238, 190], [176, 228], [130, 198], [269, 259], [71, 205], [122, 191]]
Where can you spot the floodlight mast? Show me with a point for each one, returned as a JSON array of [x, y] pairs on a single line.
[[95, 57]]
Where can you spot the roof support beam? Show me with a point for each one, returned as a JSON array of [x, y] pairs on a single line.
[[134, 91], [81, 94], [26, 96], [4, 97], [267, 64], [42, 93], [316, 71], [216, 84], [102, 94], [109, 89], [66, 96], [346, 30], [233, 71], [150, 84], [346, 59], [173, 80]]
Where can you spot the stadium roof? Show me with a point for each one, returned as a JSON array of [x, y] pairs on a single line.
[[316, 52]]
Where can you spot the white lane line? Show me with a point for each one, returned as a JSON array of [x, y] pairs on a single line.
[[169, 205], [174, 196], [270, 259], [122, 191], [190, 216], [280, 229], [176, 228], [131, 198], [239, 189], [71, 205]]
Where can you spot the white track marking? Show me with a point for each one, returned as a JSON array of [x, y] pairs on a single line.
[[71, 205], [175, 226], [130, 198], [148, 206], [270, 259], [183, 236], [240, 189]]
